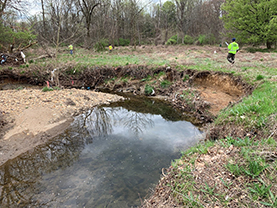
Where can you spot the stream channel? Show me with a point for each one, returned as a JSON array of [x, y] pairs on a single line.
[[111, 156]]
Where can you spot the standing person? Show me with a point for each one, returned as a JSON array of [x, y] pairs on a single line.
[[110, 47], [233, 49], [70, 48]]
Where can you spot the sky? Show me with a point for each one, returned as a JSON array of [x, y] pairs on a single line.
[[35, 5]]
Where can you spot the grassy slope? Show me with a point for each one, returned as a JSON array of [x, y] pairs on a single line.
[[252, 169]]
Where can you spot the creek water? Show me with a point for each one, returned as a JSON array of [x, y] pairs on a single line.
[[111, 156]]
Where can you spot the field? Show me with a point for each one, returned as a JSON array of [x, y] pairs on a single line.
[[236, 165]]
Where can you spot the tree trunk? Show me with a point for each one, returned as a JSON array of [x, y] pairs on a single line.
[[43, 16], [268, 44]]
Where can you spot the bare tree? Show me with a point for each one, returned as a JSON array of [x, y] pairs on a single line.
[[13, 5], [87, 8]]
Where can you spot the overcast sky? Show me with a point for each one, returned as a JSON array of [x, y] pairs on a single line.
[[35, 6]]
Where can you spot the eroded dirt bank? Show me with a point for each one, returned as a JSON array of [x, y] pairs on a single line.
[[33, 116]]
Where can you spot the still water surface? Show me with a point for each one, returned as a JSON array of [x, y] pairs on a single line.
[[110, 157]]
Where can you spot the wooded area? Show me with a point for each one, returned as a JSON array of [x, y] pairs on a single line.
[[97, 23]]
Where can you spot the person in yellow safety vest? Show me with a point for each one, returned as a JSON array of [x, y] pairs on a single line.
[[233, 49], [71, 49], [110, 47]]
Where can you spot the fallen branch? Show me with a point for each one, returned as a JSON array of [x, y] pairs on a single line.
[[44, 56], [28, 46]]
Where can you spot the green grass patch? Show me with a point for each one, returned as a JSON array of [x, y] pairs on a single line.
[[253, 111], [46, 89], [148, 90], [165, 84]]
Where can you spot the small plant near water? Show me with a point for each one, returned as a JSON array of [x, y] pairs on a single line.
[[124, 80], [148, 90], [165, 83], [57, 88], [19, 88], [186, 77], [148, 78], [46, 89]]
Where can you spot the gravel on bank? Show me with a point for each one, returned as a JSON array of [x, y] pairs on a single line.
[[63, 102]]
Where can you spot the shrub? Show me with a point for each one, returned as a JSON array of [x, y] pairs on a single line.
[[100, 45], [202, 39], [124, 42], [172, 40], [148, 89], [210, 39], [188, 39]]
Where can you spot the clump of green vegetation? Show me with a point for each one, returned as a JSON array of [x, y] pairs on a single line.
[[124, 80], [46, 89], [186, 77], [165, 83], [19, 88], [148, 90], [188, 39], [57, 88], [148, 78], [259, 77], [172, 41]]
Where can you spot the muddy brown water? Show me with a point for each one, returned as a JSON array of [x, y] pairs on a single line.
[[111, 156]]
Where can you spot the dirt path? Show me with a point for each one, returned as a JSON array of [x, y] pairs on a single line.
[[34, 116]]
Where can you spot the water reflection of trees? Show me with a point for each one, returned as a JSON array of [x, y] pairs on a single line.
[[95, 122], [137, 122], [19, 176], [99, 121]]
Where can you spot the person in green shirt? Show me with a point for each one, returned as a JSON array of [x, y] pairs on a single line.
[[233, 49], [70, 49]]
